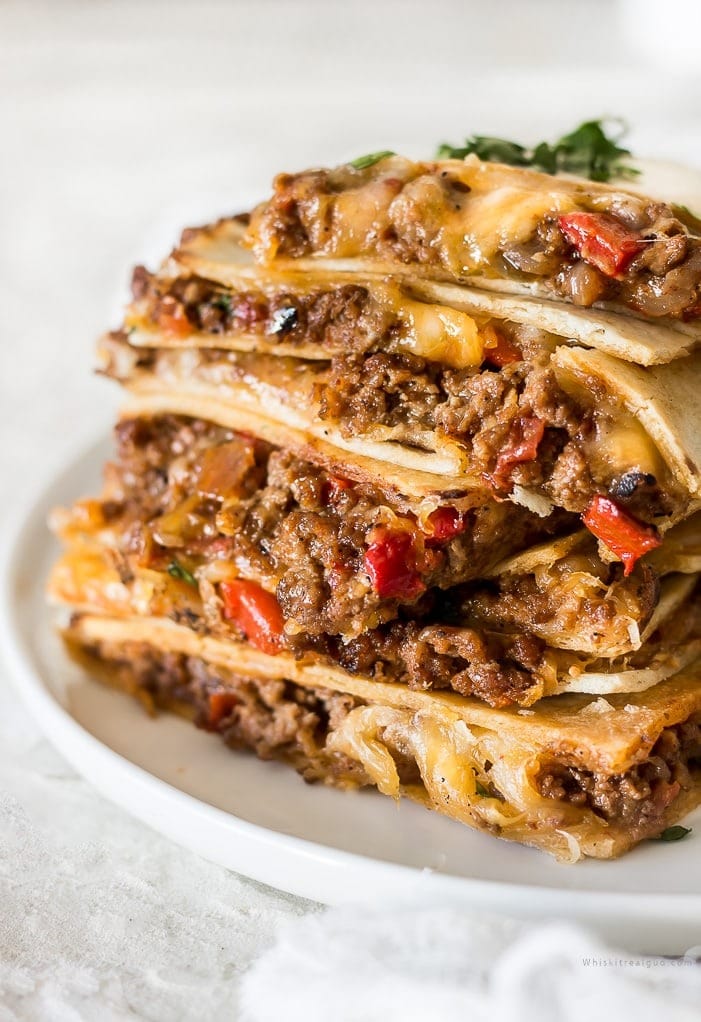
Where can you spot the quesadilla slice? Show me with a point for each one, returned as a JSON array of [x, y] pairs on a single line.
[[210, 285], [574, 776], [488, 223], [234, 538], [533, 420]]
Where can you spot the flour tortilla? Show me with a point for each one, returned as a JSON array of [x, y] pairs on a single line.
[[216, 253], [460, 749], [666, 401], [609, 735]]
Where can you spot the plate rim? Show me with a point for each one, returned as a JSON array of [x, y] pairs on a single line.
[[76, 743]]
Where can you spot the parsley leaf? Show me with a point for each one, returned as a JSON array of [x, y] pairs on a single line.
[[176, 569], [674, 833], [587, 151], [496, 150], [363, 162]]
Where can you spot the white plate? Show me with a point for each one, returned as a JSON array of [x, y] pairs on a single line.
[[262, 820]]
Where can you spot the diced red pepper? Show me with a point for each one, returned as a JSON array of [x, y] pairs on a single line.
[[172, 318], [220, 705], [522, 444], [601, 240], [334, 487], [256, 612], [664, 793], [444, 523], [623, 534], [693, 313], [390, 561], [499, 351], [248, 311]]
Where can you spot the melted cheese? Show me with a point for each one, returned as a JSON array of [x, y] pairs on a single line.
[[434, 332], [453, 759], [498, 220], [627, 446]]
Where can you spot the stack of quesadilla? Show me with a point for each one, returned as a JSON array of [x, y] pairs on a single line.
[[407, 493]]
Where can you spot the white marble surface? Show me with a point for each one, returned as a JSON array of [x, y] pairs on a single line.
[[119, 122]]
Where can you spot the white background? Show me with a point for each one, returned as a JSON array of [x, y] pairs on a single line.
[[119, 122]]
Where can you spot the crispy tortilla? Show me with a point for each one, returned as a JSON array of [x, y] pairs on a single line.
[[409, 473], [216, 253], [655, 431], [453, 220], [477, 765], [86, 578]]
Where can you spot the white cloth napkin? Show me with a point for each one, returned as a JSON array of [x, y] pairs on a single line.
[[412, 965]]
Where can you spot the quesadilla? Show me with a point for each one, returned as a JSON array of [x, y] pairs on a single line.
[[572, 776], [238, 539], [503, 227], [407, 494]]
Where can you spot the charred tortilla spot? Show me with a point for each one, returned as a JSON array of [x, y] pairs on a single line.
[[626, 486]]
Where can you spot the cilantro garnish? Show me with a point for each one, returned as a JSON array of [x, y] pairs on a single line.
[[588, 151], [176, 569], [674, 833], [363, 162]]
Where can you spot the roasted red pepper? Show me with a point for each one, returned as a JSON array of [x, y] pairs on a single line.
[[334, 487], [444, 523], [172, 318], [693, 313], [220, 705], [601, 240], [256, 612], [522, 444], [624, 535], [499, 351], [248, 311], [390, 561]]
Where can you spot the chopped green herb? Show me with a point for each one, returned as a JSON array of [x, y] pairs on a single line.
[[588, 151], [176, 569], [674, 833], [496, 150], [363, 162], [481, 790], [222, 302]]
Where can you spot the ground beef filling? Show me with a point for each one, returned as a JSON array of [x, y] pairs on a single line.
[[502, 668], [638, 798], [187, 488], [492, 413], [276, 719], [342, 318], [498, 670], [662, 280], [520, 426], [413, 208], [302, 534]]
